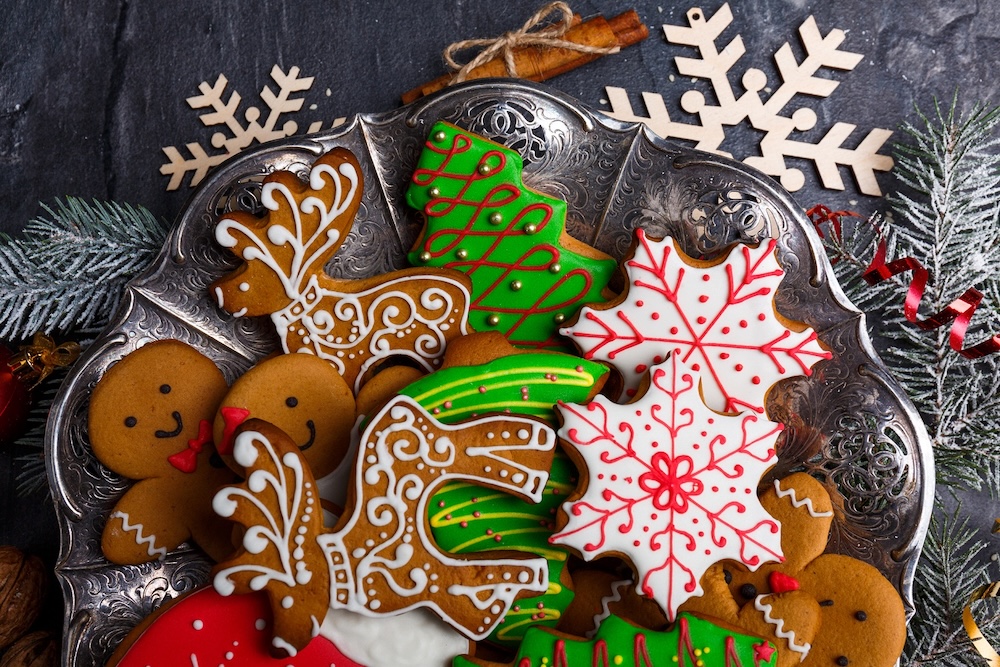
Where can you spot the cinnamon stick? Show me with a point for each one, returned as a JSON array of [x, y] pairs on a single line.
[[536, 63]]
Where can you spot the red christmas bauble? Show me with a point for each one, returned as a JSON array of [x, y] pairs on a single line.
[[15, 399]]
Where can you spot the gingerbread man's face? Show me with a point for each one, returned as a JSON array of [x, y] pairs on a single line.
[[302, 395], [149, 407]]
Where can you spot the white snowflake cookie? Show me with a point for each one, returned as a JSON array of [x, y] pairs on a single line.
[[718, 318], [670, 485]]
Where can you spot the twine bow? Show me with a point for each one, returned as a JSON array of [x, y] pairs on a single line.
[[35, 362], [549, 36]]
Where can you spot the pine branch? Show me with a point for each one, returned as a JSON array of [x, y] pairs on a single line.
[[949, 571], [948, 217], [67, 271]]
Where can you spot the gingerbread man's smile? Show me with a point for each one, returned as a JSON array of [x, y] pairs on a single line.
[[177, 431]]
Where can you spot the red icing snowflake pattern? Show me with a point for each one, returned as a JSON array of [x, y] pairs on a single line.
[[719, 319], [672, 485]]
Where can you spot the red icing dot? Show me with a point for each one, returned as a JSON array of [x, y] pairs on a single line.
[[702, 299], [636, 543], [658, 358], [639, 303], [655, 316], [738, 367], [440, 503], [498, 538], [755, 380], [448, 516], [743, 324], [614, 478], [706, 277], [447, 405], [673, 330], [724, 330], [696, 367], [464, 524], [701, 319], [477, 514], [762, 317], [640, 368], [541, 605], [489, 531], [482, 390], [723, 355], [630, 392]]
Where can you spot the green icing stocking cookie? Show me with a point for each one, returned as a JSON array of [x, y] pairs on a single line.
[[692, 642], [528, 275], [466, 518]]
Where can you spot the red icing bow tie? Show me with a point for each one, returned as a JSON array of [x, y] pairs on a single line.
[[187, 460], [232, 418], [782, 583]]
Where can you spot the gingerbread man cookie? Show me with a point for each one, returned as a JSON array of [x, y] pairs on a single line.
[[820, 609], [302, 395], [150, 420]]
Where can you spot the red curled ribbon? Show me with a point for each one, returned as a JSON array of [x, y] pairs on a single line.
[[959, 311]]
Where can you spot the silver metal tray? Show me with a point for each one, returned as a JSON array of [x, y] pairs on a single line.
[[849, 424]]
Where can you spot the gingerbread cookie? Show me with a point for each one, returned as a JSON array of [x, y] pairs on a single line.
[[528, 275], [302, 395], [820, 609], [692, 641], [150, 420], [668, 484], [279, 508], [380, 558], [352, 324], [718, 317]]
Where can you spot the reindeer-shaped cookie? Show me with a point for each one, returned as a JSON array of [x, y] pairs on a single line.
[[381, 558], [353, 324]]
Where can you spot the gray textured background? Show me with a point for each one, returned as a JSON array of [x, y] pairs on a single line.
[[91, 91]]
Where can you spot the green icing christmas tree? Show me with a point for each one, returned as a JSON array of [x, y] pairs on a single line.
[[692, 642], [467, 518], [528, 276]]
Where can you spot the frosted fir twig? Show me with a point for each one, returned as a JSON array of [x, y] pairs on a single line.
[[68, 269], [948, 572]]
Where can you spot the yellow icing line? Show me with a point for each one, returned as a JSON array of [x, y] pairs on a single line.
[[575, 378]]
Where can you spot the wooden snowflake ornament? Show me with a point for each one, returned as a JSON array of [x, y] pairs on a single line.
[[670, 485], [719, 319]]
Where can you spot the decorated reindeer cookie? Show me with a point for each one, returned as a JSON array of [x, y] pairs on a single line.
[[381, 559], [151, 421], [353, 324]]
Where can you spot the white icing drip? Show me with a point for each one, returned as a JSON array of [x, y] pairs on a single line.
[[148, 541], [779, 628], [278, 642], [415, 639], [798, 504]]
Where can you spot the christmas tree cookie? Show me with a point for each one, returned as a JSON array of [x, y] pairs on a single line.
[[528, 275], [691, 642]]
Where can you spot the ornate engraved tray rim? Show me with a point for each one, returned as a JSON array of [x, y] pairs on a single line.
[[849, 425]]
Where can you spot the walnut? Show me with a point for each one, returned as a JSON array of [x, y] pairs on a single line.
[[22, 585], [38, 649]]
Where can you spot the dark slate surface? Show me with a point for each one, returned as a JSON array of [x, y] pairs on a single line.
[[91, 91]]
